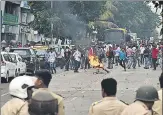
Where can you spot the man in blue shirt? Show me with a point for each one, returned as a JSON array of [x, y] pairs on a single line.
[[122, 58]]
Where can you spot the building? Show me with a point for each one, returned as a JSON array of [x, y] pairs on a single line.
[[10, 20], [25, 18], [15, 21]]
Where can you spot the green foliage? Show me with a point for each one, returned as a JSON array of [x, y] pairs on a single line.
[[159, 4], [87, 10], [137, 17], [44, 16], [41, 23]]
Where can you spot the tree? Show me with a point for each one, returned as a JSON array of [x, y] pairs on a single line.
[[40, 23], [87, 10], [70, 18], [159, 4], [137, 17], [45, 16]]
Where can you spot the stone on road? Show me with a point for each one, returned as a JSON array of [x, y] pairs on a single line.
[[81, 89]]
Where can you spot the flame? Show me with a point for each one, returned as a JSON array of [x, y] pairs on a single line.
[[94, 61]]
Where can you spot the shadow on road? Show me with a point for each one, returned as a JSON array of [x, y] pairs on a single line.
[[3, 80]]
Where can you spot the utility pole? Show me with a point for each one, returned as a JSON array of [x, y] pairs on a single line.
[[51, 22], [162, 36]]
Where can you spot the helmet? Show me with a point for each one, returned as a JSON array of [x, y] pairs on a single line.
[[147, 93], [19, 85], [42, 103]]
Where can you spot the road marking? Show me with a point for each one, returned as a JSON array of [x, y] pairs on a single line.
[[73, 98], [4, 94], [83, 92]]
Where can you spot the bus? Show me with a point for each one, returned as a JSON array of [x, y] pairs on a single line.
[[115, 35]]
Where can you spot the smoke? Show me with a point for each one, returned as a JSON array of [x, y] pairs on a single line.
[[73, 26]]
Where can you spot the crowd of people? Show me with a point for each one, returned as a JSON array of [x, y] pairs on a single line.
[[31, 96], [130, 56]]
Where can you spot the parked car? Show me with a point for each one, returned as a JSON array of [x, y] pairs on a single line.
[[29, 57], [8, 66], [20, 64], [40, 54]]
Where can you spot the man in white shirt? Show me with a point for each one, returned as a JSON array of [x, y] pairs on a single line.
[[117, 54], [62, 62], [142, 48], [62, 52], [77, 57], [51, 60], [129, 52]]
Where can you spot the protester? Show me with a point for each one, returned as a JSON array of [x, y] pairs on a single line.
[[129, 53], [146, 57], [91, 51], [100, 54], [122, 58], [141, 54], [52, 60], [154, 56], [72, 60], [77, 57], [82, 60], [47, 64], [109, 105], [137, 56], [110, 56], [67, 55], [87, 64], [62, 61], [117, 55]]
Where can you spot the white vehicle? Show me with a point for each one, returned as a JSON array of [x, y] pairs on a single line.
[[20, 65], [8, 66]]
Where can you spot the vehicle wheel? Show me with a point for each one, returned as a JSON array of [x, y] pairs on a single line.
[[18, 73], [34, 71], [25, 72], [7, 77]]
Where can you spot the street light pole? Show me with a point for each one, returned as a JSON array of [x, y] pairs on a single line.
[[51, 23]]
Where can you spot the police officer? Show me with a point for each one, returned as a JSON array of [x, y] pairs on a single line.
[[145, 98], [43, 103], [109, 105], [18, 89], [158, 104], [43, 79]]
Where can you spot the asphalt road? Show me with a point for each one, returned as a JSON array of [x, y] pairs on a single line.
[[81, 89]]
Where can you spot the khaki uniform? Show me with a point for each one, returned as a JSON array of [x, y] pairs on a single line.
[[138, 108], [15, 106], [61, 107], [107, 106], [158, 104]]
